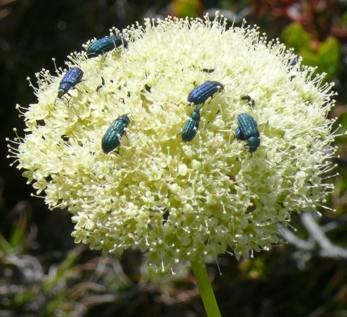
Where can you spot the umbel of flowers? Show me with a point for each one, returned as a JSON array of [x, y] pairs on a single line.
[[179, 199]]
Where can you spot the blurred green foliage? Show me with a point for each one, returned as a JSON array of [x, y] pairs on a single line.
[[186, 8], [326, 55]]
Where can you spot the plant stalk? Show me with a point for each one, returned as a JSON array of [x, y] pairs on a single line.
[[205, 289]]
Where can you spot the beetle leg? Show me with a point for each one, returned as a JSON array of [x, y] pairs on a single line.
[[209, 99], [80, 90], [68, 99], [102, 59]]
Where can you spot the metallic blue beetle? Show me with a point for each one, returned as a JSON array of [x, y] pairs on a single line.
[[201, 93], [103, 45], [248, 131], [72, 77], [191, 126], [111, 138]]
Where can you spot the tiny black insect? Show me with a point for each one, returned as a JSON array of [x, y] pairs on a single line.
[[191, 126], [72, 77], [114, 133], [249, 100], [247, 130], [65, 137], [148, 88], [40, 122], [101, 85], [103, 45], [201, 93], [208, 70]]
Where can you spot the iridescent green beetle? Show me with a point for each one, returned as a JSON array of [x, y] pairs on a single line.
[[191, 126], [71, 78], [111, 139], [204, 91], [248, 131], [103, 45]]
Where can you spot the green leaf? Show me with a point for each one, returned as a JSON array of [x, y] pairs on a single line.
[[5, 245], [18, 235], [63, 272], [329, 57], [295, 36]]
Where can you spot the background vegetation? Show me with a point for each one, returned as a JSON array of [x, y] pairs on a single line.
[[42, 273]]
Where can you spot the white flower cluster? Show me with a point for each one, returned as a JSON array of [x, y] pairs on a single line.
[[177, 201]]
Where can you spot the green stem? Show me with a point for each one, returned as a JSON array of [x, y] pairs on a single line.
[[205, 289]]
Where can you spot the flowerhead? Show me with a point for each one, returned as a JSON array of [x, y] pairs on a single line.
[[178, 201]]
